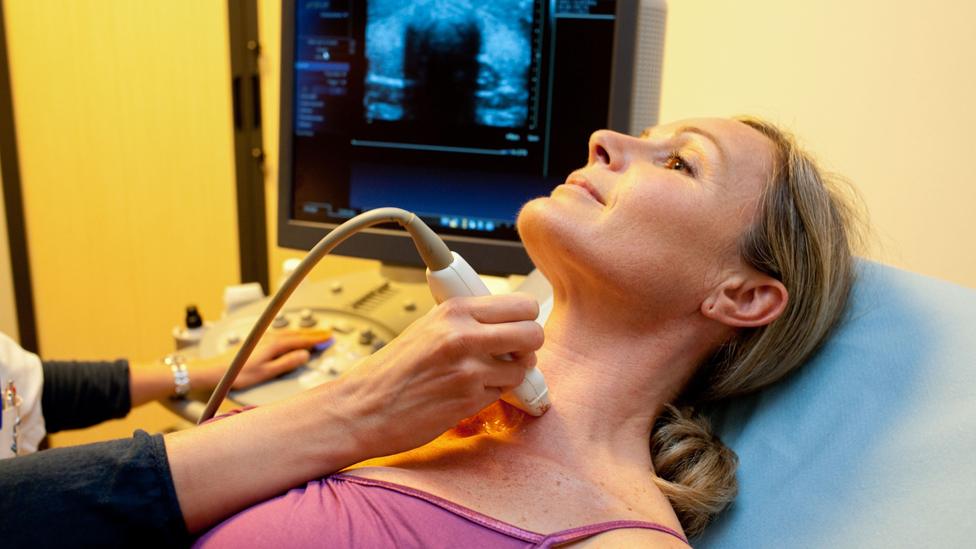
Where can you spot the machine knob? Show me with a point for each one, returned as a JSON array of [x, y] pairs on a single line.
[[193, 318], [280, 321], [336, 287], [410, 306], [366, 337], [307, 319]]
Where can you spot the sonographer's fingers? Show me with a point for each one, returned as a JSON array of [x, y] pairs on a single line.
[[527, 359], [487, 397], [288, 362], [503, 374], [256, 371], [512, 337], [277, 353], [282, 342], [494, 309]]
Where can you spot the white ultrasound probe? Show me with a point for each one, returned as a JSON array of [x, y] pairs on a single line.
[[459, 279], [448, 274]]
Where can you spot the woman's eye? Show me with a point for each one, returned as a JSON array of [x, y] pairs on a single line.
[[675, 162]]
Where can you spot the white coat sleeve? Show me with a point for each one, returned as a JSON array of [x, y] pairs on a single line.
[[24, 368]]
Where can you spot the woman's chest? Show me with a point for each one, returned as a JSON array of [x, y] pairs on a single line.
[[530, 496]]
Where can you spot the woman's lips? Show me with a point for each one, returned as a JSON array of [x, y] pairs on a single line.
[[581, 182]]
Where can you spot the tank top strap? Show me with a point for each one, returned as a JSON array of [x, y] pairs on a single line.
[[583, 532]]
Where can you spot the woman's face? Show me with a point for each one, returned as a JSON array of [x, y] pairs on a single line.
[[657, 216]]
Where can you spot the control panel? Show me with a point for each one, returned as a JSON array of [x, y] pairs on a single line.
[[364, 311]]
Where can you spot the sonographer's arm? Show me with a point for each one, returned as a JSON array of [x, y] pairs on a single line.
[[109, 494], [437, 372], [278, 353], [77, 394]]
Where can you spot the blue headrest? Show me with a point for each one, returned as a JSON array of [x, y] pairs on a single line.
[[873, 442]]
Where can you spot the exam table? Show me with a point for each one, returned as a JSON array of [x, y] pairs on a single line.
[[873, 442]]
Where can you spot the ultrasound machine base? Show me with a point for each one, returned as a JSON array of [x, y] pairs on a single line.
[[364, 311]]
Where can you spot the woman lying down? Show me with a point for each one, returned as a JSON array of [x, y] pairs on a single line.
[[703, 260]]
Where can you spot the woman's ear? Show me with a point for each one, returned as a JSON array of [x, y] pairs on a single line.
[[746, 301]]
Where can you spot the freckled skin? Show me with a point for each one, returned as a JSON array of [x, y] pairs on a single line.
[[457, 465], [484, 450]]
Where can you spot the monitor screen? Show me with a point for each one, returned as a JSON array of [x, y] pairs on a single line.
[[457, 110]]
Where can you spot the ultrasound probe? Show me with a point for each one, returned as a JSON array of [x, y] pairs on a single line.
[[448, 274]]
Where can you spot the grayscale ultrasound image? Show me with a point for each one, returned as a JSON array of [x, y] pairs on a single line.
[[451, 63]]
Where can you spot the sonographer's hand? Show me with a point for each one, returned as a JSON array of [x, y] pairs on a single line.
[[440, 370], [275, 354], [278, 352]]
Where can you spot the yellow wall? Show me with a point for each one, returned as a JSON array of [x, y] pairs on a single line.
[[126, 152], [882, 92], [125, 138], [8, 311]]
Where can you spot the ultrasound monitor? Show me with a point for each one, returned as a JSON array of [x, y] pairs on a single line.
[[457, 110]]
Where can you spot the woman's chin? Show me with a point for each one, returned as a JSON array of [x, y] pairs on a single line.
[[550, 236], [538, 225], [543, 216]]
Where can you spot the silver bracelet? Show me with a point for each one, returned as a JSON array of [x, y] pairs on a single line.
[[181, 377]]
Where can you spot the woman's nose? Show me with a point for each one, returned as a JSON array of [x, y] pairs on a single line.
[[609, 148]]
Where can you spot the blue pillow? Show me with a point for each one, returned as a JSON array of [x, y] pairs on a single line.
[[872, 443]]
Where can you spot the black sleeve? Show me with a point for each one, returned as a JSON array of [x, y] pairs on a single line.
[[109, 494], [82, 394]]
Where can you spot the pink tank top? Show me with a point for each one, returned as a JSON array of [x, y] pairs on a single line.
[[349, 511]]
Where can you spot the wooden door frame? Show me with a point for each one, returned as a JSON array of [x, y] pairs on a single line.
[[14, 204]]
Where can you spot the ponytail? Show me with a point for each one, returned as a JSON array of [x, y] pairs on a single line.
[[695, 470]]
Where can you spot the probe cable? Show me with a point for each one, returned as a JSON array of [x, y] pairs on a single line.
[[432, 249]]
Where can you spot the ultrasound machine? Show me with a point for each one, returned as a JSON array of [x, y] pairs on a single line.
[[457, 110]]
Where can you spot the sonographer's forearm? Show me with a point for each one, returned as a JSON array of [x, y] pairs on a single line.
[[148, 383], [155, 381], [222, 467]]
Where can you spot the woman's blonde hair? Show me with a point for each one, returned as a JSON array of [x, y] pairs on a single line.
[[803, 237]]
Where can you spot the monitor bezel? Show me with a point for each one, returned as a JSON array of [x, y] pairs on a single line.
[[393, 247]]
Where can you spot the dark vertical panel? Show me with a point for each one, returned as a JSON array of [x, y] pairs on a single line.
[[14, 204], [248, 147], [625, 42], [571, 124]]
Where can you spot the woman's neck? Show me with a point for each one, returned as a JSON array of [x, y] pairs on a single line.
[[607, 380]]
